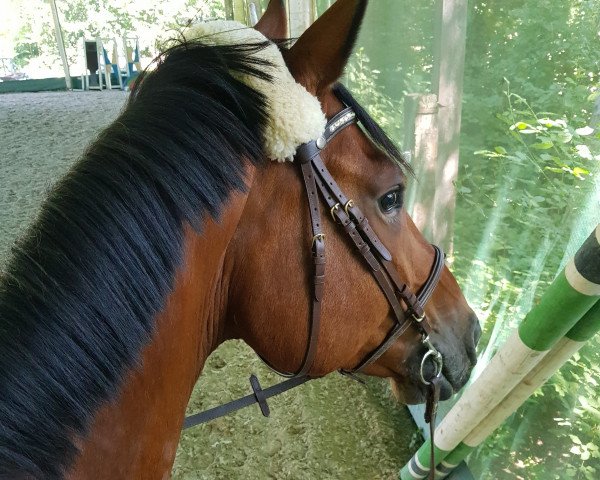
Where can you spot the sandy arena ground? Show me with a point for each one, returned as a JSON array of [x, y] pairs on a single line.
[[332, 428]]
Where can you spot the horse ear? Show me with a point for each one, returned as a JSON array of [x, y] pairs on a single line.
[[273, 23], [318, 58]]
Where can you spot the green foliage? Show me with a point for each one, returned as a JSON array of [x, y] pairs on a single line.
[[362, 80], [529, 178], [529, 173], [154, 21], [24, 51]]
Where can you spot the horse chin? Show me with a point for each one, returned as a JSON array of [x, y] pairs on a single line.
[[414, 392]]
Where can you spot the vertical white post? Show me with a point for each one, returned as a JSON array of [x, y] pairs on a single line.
[[301, 13], [253, 13], [421, 139], [449, 61], [61, 44]]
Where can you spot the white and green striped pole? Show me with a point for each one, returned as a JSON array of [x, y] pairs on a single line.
[[563, 304], [564, 349]]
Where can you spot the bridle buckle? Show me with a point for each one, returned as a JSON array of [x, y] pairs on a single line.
[[334, 209], [349, 205], [318, 237]]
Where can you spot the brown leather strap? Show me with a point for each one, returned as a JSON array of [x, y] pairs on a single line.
[[349, 206], [319, 261], [364, 249], [318, 255], [337, 123], [382, 269], [431, 406]]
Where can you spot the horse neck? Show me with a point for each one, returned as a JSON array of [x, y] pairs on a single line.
[[136, 435]]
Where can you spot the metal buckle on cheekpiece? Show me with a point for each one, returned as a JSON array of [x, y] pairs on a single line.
[[435, 356], [318, 237]]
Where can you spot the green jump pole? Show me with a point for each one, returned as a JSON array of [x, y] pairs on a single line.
[[565, 302], [564, 349]]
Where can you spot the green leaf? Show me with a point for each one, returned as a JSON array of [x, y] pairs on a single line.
[[487, 153], [583, 151], [500, 150], [565, 136], [543, 145], [548, 122], [585, 455], [575, 439], [580, 172]]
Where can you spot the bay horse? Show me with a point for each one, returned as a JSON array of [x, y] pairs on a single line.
[[173, 234]]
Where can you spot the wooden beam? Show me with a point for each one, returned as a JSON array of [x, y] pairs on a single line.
[[301, 14], [421, 140], [240, 11], [449, 61], [229, 9]]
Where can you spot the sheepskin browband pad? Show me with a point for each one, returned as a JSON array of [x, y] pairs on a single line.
[[295, 116]]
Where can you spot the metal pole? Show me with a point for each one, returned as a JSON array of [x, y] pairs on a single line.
[[240, 12], [229, 9], [61, 44]]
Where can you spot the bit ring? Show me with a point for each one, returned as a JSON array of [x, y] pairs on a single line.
[[436, 357]]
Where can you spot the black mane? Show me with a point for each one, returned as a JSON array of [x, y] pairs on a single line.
[[114, 224]]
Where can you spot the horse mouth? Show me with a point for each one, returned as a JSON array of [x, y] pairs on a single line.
[[414, 391]]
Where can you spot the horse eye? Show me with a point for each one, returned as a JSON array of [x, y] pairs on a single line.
[[391, 201]]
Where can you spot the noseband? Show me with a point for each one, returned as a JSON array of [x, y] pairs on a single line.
[[407, 308]]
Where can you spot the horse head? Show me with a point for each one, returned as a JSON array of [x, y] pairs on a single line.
[[271, 268], [171, 235]]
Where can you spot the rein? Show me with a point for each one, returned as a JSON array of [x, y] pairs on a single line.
[[407, 307]]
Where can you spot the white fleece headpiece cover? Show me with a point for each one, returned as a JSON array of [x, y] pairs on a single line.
[[294, 115]]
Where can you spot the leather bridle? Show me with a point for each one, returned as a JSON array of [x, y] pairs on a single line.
[[348, 215], [407, 308]]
